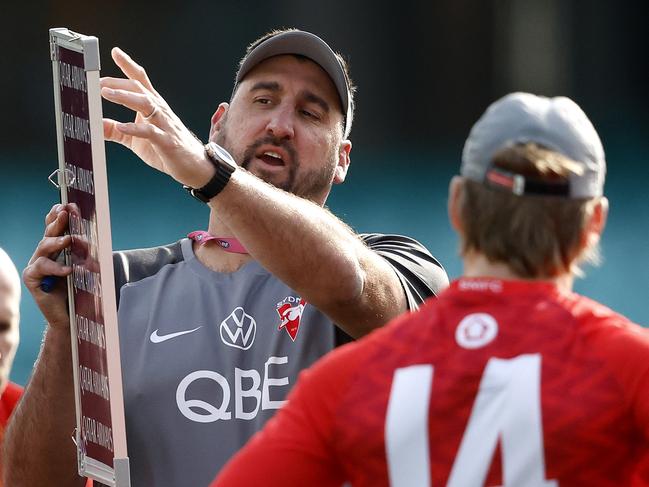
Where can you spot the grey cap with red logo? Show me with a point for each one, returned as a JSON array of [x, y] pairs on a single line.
[[556, 123]]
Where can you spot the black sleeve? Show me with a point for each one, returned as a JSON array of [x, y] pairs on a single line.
[[421, 275], [135, 265]]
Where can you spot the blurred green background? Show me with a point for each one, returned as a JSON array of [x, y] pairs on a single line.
[[425, 72]]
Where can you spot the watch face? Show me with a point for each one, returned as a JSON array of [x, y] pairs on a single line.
[[222, 154]]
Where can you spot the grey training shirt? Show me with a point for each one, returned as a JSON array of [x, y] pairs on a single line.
[[208, 357]]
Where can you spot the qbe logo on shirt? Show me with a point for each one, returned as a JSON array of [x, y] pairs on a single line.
[[238, 329]]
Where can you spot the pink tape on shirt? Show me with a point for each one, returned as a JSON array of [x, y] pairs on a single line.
[[228, 244]]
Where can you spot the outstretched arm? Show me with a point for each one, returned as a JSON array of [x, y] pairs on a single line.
[[314, 252], [38, 445], [300, 242]]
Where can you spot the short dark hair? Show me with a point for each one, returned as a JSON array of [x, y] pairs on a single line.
[[536, 236]]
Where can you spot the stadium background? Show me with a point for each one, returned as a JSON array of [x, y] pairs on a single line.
[[425, 71]]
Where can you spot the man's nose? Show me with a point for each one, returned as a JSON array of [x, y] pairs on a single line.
[[281, 123]]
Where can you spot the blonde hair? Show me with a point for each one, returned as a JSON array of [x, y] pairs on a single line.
[[536, 236]]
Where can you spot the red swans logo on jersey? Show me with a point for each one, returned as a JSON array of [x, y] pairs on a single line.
[[290, 311]]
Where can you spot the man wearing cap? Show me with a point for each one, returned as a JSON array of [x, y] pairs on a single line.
[[509, 378], [215, 328]]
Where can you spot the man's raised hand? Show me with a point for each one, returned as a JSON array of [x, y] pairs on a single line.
[[156, 135]]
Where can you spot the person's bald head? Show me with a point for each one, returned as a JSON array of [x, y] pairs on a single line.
[[9, 316]]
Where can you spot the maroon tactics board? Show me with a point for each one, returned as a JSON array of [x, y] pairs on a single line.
[[100, 434]]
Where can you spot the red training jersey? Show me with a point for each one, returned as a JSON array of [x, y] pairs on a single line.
[[495, 383], [8, 400]]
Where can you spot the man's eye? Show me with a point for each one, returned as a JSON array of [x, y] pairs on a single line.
[[263, 101], [4, 326], [309, 114]]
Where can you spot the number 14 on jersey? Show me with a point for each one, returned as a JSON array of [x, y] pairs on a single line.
[[508, 406]]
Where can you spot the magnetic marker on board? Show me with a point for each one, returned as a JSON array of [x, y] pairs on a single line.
[[48, 283]]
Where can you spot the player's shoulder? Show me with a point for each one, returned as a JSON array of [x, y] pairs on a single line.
[[612, 333], [404, 339], [405, 330], [594, 314], [10, 396], [13, 390], [330, 376]]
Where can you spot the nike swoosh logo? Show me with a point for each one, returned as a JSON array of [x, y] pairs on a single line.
[[155, 338]]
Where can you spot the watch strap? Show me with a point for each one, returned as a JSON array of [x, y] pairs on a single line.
[[217, 183]]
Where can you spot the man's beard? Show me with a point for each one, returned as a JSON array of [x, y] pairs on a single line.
[[313, 185]]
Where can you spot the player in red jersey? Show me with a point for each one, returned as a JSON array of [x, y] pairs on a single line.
[[9, 339], [509, 378]]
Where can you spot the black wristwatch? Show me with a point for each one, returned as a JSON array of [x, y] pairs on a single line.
[[224, 165]]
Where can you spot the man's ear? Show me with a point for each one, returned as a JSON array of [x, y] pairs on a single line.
[[343, 161], [455, 189], [596, 222], [217, 119]]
